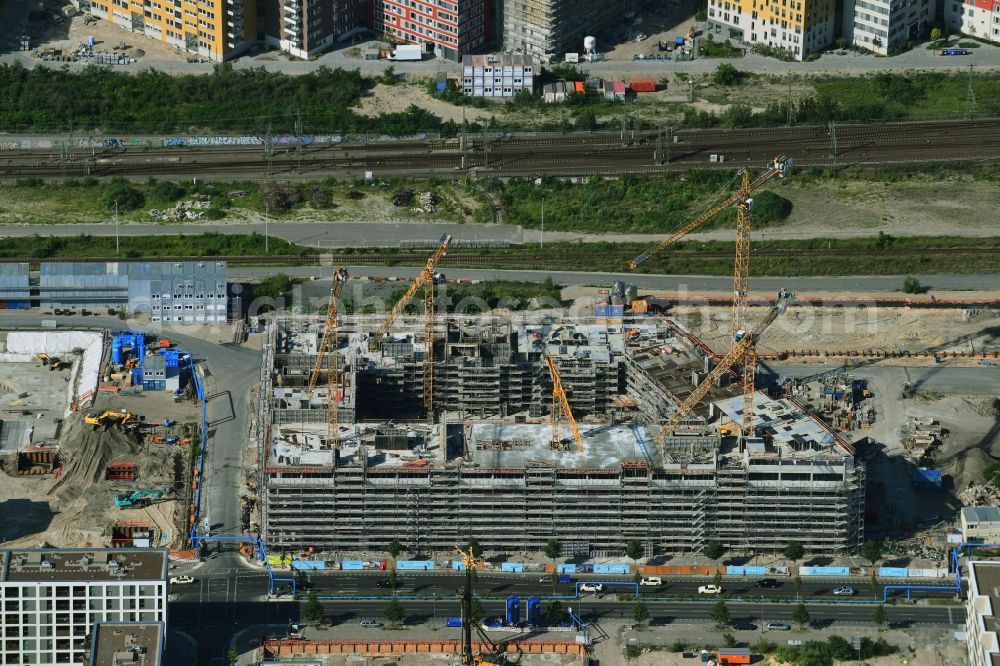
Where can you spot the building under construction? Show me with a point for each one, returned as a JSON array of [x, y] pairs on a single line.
[[486, 464]]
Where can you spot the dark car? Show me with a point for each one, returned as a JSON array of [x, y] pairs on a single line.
[[744, 626], [767, 583], [386, 585]]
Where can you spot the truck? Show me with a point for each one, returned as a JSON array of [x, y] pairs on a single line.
[[407, 52]]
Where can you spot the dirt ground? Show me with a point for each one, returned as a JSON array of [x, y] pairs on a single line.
[[668, 20], [75, 507], [848, 329], [396, 98], [68, 36]]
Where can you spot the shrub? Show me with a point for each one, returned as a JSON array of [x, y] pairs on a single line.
[[911, 285], [166, 191], [320, 197], [29, 181], [212, 213], [122, 194]]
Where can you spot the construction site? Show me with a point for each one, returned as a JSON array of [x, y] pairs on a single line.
[[592, 430], [91, 455]]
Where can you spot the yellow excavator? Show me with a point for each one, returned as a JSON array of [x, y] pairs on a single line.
[[52, 362], [110, 418]]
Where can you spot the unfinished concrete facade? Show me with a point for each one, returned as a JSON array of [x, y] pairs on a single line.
[[549, 27], [485, 467]]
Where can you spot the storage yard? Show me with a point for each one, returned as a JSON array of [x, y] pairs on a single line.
[[90, 458]]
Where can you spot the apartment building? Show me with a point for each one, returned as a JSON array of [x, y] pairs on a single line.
[[547, 28], [447, 28], [800, 27], [497, 76], [217, 29], [981, 614], [882, 26], [304, 28], [980, 18], [54, 600]]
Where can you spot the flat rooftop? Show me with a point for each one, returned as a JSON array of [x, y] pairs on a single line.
[[518, 445], [793, 433], [118, 644], [988, 585], [62, 564]]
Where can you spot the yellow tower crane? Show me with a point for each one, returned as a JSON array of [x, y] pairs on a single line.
[[561, 410], [743, 349], [780, 167], [424, 279], [328, 350]]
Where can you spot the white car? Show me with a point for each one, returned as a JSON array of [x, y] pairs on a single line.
[[709, 589], [651, 580], [591, 587], [844, 592], [181, 580]]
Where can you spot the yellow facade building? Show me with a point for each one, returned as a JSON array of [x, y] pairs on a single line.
[[216, 30], [799, 26]]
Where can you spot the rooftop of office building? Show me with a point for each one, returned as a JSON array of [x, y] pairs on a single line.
[[69, 565], [137, 643]]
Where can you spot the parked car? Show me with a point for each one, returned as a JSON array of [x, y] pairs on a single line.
[[778, 626], [454, 622], [844, 592], [181, 580], [767, 583], [370, 623], [591, 587], [651, 580], [744, 626], [710, 589]]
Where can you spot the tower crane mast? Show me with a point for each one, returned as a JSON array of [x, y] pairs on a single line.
[[743, 349], [328, 350], [561, 410], [424, 279]]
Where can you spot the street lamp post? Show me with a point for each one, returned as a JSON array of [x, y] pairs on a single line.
[[117, 244], [265, 229]]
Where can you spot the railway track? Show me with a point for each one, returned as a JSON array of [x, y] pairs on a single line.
[[575, 154], [519, 258]]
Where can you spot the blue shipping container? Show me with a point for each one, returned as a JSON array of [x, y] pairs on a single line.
[[534, 610], [609, 310], [927, 479]]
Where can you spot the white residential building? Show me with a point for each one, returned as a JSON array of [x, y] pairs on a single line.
[[52, 599], [980, 18], [882, 26], [980, 524], [980, 614], [497, 76]]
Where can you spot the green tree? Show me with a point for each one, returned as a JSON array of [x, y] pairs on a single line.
[[393, 580], [719, 614], [873, 551], [873, 581], [234, 655], [797, 582], [935, 34], [794, 551], [727, 75], [717, 579], [273, 286], [555, 612], [312, 610], [640, 613], [801, 615], [881, 616], [388, 76], [477, 613], [127, 196], [729, 640], [394, 613], [633, 549], [394, 549], [911, 285], [714, 550], [553, 549]]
